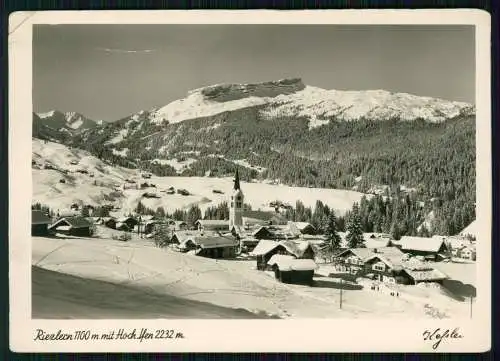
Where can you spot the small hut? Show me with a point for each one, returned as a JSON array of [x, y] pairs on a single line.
[[289, 269], [268, 248]]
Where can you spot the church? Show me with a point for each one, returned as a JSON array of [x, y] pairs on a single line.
[[236, 207]]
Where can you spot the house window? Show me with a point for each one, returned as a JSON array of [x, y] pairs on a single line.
[[378, 267]]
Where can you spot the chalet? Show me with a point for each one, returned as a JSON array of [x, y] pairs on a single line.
[[39, 223], [146, 227], [377, 240], [471, 230], [129, 221], [429, 248], [468, 252], [265, 249], [289, 269], [386, 265], [352, 260], [251, 217], [74, 226], [304, 227], [263, 233], [180, 237], [212, 225], [424, 275], [248, 244], [213, 246], [109, 222], [180, 226], [122, 227]]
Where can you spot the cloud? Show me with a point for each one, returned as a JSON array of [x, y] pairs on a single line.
[[126, 51]]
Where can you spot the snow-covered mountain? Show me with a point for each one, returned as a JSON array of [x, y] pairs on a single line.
[[68, 121], [290, 97]]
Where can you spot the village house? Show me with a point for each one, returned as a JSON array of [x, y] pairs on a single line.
[[265, 249], [429, 248], [212, 225], [146, 227], [351, 260], [212, 246], [126, 223], [39, 223], [74, 226], [304, 227], [288, 269], [387, 264], [468, 253], [377, 240], [180, 226], [109, 222], [263, 232]]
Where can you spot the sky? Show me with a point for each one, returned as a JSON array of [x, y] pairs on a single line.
[[111, 71]]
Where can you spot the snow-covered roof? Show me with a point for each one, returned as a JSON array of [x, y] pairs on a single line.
[[213, 222], [264, 246], [362, 253], [421, 243], [207, 242], [297, 248], [289, 263], [62, 228], [426, 275], [302, 225], [377, 242], [73, 222], [471, 229]]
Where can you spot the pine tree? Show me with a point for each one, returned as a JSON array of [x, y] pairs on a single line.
[[354, 232], [332, 237]]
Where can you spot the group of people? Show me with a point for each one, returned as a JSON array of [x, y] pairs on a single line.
[[376, 287]]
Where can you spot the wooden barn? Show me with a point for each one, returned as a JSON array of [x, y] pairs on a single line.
[[265, 249], [39, 223], [288, 269], [74, 226]]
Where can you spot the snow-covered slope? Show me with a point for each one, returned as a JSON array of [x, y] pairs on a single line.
[[102, 183], [317, 104], [71, 121]]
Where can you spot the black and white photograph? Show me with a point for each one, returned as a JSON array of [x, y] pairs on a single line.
[[256, 171]]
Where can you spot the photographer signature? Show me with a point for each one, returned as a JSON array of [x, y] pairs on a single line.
[[438, 335]]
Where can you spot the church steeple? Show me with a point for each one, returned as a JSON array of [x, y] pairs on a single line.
[[236, 181], [236, 207]]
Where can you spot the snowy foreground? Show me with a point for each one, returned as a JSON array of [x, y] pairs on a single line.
[[103, 278]]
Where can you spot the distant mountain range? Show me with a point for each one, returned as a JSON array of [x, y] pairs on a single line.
[[285, 131]]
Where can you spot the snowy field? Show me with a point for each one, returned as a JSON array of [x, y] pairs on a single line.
[[123, 275], [103, 182]]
